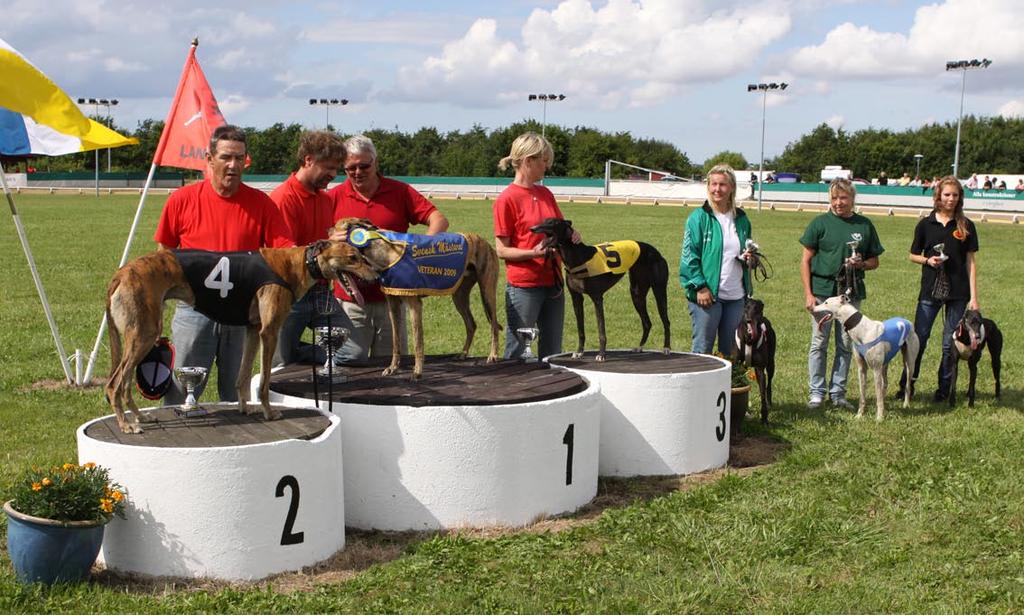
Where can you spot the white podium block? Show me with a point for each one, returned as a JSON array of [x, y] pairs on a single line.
[[663, 414], [221, 511], [446, 466]]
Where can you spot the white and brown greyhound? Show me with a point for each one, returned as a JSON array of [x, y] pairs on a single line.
[[874, 344]]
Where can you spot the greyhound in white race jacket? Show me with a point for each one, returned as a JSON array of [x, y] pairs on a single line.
[[875, 344]]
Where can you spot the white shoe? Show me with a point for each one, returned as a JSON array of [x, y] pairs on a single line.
[[814, 403]]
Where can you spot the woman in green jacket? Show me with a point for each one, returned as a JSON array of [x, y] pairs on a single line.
[[713, 269]]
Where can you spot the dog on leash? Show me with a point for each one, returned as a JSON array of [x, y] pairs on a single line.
[[755, 347], [415, 266], [255, 289], [592, 270], [875, 344], [973, 333]]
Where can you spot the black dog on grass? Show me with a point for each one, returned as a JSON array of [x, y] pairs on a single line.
[[592, 270], [973, 333], [755, 347]]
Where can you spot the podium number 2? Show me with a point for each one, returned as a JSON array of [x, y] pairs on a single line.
[[220, 277], [720, 430], [567, 440], [288, 537]]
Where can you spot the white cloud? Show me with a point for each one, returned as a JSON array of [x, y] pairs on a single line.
[[233, 104], [621, 53], [954, 29], [835, 122], [1012, 109]]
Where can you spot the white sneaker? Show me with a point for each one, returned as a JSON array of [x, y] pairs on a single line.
[[814, 403], [841, 402]]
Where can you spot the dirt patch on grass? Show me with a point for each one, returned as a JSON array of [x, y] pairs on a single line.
[[53, 384], [365, 549]]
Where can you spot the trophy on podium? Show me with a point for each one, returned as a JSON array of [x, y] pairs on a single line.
[[190, 378], [331, 339], [527, 335]]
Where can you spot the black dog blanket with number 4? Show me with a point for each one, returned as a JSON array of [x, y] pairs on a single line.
[[225, 283]]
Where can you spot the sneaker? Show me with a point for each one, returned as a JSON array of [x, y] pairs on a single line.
[[814, 403], [841, 402]]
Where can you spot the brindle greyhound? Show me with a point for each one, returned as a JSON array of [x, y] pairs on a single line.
[[755, 347], [593, 270], [481, 268], [135, 305], [970, 338]]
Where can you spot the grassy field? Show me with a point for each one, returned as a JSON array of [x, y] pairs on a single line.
[[921, 513]]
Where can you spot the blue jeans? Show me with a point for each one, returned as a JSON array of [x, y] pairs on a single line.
[[198, 341], [370, 328], [304, 314], [719, 320], [817, 358], [542, 307], [927, 312]]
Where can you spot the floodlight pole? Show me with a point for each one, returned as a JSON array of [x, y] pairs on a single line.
[[964, 66], [763, 88], [917, 159], [327, 103], [544, 98]]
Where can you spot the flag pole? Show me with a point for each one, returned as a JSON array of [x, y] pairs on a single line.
[[35, 277], [138, 215], [124, 259]]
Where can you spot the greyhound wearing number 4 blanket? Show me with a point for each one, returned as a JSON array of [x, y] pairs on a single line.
[[875, 344], [269, 281]]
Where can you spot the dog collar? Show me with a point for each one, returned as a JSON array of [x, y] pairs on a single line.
[[312, 265], [852, 321]]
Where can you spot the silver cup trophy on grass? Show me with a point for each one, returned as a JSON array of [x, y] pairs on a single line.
[[331, 339], [527, 335], [191, 378]]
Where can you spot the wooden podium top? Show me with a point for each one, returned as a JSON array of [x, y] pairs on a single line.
[[446, 381], [224, 426], [649, 362]]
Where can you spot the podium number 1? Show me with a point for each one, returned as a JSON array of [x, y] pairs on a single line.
[[567, 440], [288, 537]]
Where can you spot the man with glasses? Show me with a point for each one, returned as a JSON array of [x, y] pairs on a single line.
[[390, 205], [829, 243], [308, 212]]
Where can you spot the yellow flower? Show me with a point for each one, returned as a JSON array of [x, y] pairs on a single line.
[[751, 375], [117, 495], [47, 482], [88, 465], [68, 466], [37, 487], [107, 505]]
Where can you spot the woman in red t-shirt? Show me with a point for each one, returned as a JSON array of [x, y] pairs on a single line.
[[533, 293]]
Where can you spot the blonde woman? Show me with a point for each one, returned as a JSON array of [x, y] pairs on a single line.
[[711, 272], [948, 278], [533, 292]]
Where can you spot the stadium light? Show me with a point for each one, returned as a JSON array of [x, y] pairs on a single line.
[[544, 98], [763, 88], [327, 103], [96, 104], [917, 159], [963, 65]]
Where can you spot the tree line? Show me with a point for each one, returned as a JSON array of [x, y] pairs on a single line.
[[988, 145]]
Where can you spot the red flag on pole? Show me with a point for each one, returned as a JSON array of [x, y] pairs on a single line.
[[192, 119]]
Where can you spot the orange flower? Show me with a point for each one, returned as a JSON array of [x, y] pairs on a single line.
[[68, 466], [117, 495], [88, 465], [47, 482], [957, 234], [37, 487], [107, 505]]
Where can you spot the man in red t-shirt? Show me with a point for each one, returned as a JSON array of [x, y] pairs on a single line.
[[219, 214], [390, 205], [308, 213]]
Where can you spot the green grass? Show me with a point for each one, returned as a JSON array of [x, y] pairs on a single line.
[[921, 513]]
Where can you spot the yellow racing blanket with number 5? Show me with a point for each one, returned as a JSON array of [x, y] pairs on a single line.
[[611, 257]]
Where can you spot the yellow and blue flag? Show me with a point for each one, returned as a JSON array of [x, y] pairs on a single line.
[[37, 117]]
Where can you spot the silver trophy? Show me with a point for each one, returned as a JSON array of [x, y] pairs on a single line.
[[940, 251], [190, 378], [527, 335], [852, 244], [331, 339]]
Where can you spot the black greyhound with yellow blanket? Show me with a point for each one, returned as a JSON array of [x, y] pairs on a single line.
[[592, 270]]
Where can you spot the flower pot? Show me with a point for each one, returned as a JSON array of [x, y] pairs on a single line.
[[739, 402], [48, 551]]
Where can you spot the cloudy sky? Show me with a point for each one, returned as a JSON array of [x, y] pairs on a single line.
[[675, 70]]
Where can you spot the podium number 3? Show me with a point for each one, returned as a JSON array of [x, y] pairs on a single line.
[[220, 277], [288, 537], [720, 430], [567, 440]]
